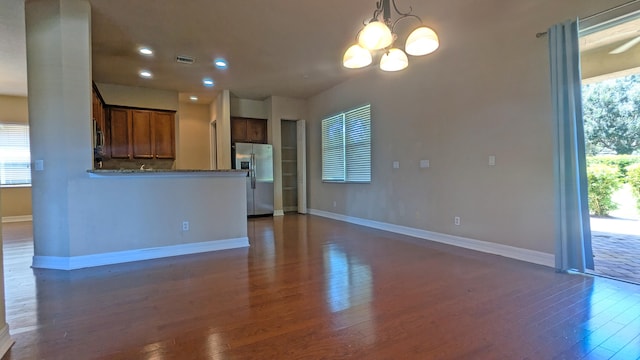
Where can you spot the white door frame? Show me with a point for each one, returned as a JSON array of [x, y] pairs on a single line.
[[301, 145], [212, 145]]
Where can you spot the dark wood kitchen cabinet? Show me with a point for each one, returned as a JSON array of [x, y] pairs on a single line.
[[99, 124], [164, 135], [142, 134], [119, 133], [97, 110], [248, 130]]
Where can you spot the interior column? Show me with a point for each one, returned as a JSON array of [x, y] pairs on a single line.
[[58, 34]]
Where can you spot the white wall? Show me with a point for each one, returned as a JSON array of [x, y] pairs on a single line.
[[146, 211], [59, 86], [484, 92]]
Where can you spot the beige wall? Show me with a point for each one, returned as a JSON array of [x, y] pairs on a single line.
[[193, 137], [223, 130], [14, 109], [484, 92], [16, 201]]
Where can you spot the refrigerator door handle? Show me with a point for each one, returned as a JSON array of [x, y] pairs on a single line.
[[252, 171]]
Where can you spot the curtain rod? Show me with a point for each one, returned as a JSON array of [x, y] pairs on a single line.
[[544, 33]]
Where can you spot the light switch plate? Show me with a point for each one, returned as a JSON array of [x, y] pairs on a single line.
[[492, 160], [424, 164], [396, 164], [39, 165]]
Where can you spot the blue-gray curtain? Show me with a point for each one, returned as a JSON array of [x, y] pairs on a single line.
[[573, 231]]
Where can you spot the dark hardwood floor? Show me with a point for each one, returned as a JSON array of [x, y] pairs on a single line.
[[313, 288]]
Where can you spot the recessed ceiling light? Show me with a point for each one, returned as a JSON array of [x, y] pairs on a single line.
[[220, 63], [145, 74], [145, 51], [207, 82], [193, 98]]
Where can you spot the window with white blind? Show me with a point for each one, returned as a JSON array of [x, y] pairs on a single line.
[[15, 158], [346, 146]]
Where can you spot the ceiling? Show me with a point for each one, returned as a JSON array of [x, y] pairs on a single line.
[[276, 47]]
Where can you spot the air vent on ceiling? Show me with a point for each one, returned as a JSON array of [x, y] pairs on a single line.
[[185, 59]]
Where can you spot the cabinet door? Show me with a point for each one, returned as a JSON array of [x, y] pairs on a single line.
[[238, 130], [257, 131], [119, 134], [164, 141], [141, 134]]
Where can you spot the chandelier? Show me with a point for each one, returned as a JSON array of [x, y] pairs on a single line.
[[379, 35]]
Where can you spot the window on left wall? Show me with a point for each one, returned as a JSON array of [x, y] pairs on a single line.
[[15, 155]]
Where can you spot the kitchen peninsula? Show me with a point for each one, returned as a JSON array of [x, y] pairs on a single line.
[[130, 215]]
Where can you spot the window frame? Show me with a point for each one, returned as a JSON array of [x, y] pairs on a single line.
[[25, 136], [345, 147]]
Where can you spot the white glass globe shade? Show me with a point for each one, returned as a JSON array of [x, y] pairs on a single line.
[[394, 60], [376, 35], [356, 57], [422, 41]]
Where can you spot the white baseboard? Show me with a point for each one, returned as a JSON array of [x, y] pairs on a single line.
[[532, 256], [5, 340], [278, 213], [12, 219], [85, 261]]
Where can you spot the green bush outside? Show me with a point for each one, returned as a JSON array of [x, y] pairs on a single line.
[[604, 180], [622, 162], [633, 179]]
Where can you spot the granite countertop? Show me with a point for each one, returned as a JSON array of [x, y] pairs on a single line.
[[178, 172]]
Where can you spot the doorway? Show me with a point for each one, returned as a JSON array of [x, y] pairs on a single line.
[[289, 166], [293, 166], [611, 114]]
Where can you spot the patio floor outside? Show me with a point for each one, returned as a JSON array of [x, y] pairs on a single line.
[[616, 247]]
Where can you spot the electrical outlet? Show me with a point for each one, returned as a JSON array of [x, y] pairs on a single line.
[[185, 226], [456, 220], [335, 204], [396, 164], [492, 160]]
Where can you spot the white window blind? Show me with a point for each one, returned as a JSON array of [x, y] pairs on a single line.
[[346, 146], [15, 158]]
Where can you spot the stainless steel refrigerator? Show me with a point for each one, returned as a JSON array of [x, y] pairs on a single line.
[[258, 159]]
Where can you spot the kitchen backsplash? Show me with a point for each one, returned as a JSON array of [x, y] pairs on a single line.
[[136, 164]]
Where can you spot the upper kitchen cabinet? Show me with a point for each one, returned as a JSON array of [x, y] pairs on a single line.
[[119, 133], [97, 110], [248, 130], [142, 134], [164, 135]]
